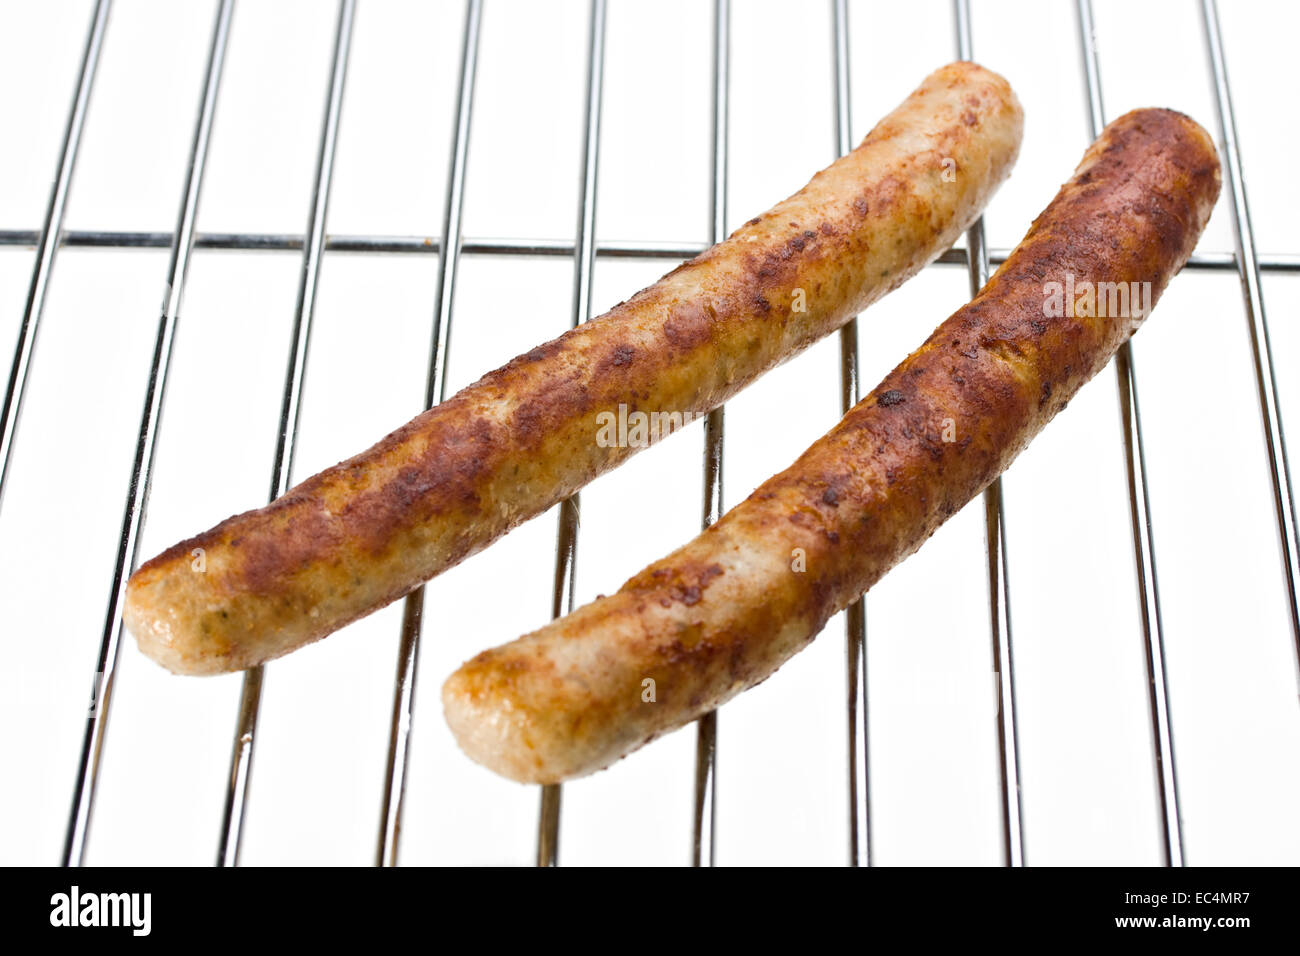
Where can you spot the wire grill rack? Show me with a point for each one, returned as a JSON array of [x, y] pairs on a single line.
[[449, 247]]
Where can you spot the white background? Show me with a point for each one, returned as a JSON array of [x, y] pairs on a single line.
[[1088, 785]]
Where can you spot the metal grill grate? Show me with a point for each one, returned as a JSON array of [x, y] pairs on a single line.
[[585, 250]]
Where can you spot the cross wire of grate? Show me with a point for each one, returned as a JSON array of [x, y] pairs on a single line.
[[505, 246], [1246, 262]]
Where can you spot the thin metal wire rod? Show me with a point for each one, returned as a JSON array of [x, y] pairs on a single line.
[[855, 620], [1248, 268], [1004, 671], [435, 391], [494, 246], [409, 245], [584, 261], [999, 574], [48, 239], [705, 820], [1144, 553], [83, 799], [241, 755]]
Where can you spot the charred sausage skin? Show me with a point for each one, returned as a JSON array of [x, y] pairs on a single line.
[[363, 533], [723, 612]]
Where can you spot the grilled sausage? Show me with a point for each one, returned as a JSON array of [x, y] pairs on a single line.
[[722, 613], [363, 533]]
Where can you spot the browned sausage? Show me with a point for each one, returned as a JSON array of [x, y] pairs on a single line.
[[365, 532], [722, 613]]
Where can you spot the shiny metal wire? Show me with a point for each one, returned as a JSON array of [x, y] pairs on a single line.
[[1278, 263], [704, 825], [1139, 497], [998, 573], [83, 799], [408, 652], [48, 241], [1248, 269], [245, 737], [855, 616], [584, 262]]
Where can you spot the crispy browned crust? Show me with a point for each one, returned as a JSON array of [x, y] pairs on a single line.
[[722, 613], [523, 437]]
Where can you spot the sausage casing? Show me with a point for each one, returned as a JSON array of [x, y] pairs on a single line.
[[723, 612], [363, 533]]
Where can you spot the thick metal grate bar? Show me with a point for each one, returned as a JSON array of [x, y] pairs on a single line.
[[1248, 268], [408, 652], [855, 620], [704, 844], [83, 799], [999, 575], [48, 240], [241, 756], [584, 261], [1140, 511], [495, 246]]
